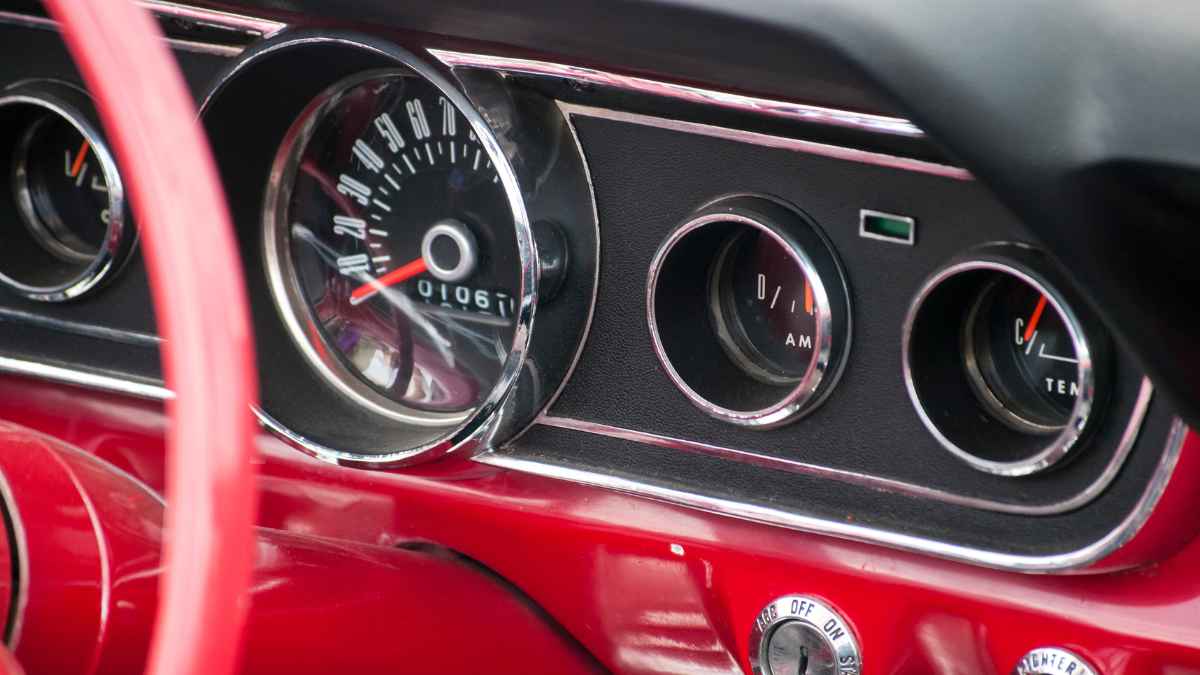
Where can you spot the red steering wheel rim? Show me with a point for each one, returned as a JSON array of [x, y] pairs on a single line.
[[202, 313]]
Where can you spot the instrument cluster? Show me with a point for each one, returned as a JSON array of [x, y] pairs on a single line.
[[551, 269]]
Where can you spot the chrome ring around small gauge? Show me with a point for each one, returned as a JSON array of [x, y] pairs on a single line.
[[777, 331], [68, 229], [1000, 367]]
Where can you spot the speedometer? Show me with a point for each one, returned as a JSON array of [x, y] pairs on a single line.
[[392, 248]]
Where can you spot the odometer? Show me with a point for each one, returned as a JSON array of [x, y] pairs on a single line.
[[394, 248]]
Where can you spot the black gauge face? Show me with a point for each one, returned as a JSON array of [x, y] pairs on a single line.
[[1025, 365], [61, 190], [764, 308], [400, 242]]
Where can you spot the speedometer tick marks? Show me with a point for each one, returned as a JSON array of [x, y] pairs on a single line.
[[381, 205]]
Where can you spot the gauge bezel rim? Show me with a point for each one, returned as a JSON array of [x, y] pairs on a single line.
[[461, 429], [119, 239], [808, 393], [1063, 442]]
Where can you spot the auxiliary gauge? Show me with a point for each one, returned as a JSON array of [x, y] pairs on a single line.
[[749, 312], [1003, 365], [64, 212]]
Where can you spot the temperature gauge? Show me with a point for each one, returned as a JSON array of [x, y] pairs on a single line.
[[1021, 357], [64, 230], [61, 189], [1004, 367]]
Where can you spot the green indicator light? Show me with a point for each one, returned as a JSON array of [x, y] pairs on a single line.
[[888, 227]]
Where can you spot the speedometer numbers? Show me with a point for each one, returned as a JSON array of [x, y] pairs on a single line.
[[398, 250]]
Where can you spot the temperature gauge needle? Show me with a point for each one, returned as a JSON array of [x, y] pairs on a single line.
[[79, 159], [1031, 327], [399, 275]]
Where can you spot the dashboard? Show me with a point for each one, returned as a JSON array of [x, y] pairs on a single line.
[[800, 308]]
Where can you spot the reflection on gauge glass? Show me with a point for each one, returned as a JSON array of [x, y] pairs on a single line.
[[398, 248], [764, 308], [1021, 357], [62, 193]]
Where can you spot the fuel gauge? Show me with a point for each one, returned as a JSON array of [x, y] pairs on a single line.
[[62, 220]]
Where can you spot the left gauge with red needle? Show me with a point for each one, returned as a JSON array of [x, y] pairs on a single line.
[[393, 252], [65, 228]]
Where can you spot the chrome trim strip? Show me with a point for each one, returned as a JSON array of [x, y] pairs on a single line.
[[80, 328], [249, 25], [1093, 490], [27, 20], [1076, 560], [83, 378], [797, 112], [769, 141]]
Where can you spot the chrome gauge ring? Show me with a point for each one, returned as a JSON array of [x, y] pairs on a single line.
[[749, 312], [377, 173], [400, 271], [66, 221], [1002, 369]]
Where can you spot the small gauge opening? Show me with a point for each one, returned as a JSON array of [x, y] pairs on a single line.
[[764, 309], [1001, 366], [64, 209], [748, 312]]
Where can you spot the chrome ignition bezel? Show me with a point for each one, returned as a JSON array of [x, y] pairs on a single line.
[[814, 614]]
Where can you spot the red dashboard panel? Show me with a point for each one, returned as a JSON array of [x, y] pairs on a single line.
[[649, 587], [90, 539]]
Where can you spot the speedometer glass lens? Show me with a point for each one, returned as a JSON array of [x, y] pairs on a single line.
[[398, 242]]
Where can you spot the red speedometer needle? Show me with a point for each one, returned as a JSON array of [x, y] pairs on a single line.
[[399, 275], [1031, 327]]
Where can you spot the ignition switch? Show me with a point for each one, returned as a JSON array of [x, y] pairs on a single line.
[[801, 635]]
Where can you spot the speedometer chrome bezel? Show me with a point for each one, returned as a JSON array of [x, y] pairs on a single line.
[[460, 428]]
